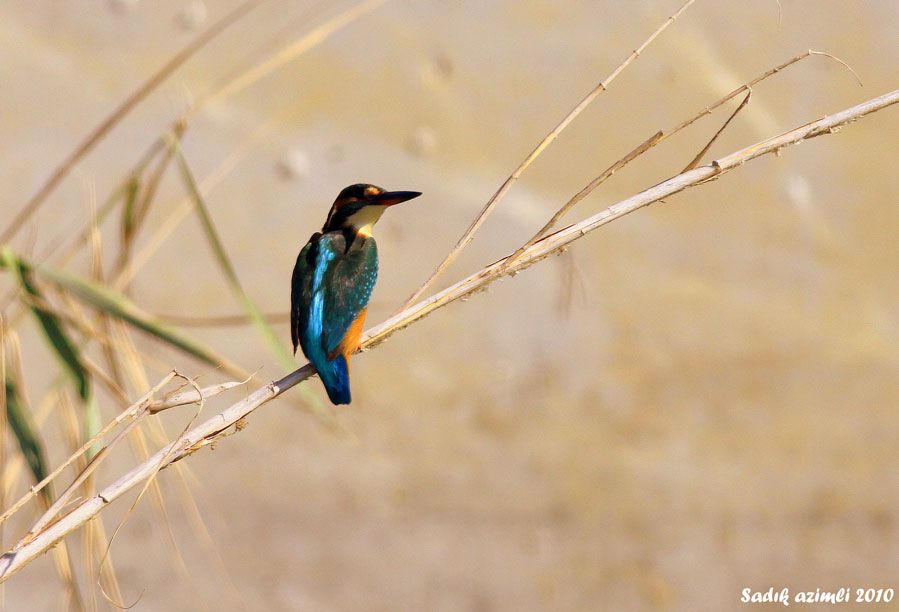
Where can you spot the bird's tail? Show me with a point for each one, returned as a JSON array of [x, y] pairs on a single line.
[[336, 377]]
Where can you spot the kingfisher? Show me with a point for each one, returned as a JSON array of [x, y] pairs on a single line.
[[332, 282]]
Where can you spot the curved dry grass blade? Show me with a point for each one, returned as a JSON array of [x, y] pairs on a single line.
[[659, 137], [191, 396], [119, 113], [695, 161], [857, 78], [583, 193], [547, 140], [98, 541], [151, 480], [750, 84]]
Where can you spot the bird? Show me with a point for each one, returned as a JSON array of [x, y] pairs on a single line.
[[332, 282]]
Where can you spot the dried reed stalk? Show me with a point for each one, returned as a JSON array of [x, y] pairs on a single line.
[[127, 105], [663, 135], [533, 155], [222, 423]]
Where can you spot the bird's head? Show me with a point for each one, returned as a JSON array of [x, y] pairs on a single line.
[[358, 207]]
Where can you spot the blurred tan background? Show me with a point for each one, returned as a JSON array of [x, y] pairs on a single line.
[[698, 398]]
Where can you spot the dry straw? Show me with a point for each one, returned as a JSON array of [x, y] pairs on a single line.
[[603, 85], [119, 113], [231, 419], [137, 193]]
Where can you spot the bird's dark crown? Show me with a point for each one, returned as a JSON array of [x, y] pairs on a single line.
[[359, 191], [354, 198]]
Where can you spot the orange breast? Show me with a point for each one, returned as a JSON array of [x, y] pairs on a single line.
[[352, 338]]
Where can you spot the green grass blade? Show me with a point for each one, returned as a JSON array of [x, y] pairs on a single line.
[[132, 188], [115, 304], [275, 346], [23, 429], [64, 348]]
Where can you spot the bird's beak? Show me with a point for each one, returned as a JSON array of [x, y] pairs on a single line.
[[389, 198]]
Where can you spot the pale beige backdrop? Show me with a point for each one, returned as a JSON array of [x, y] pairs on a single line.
[[698, 398]]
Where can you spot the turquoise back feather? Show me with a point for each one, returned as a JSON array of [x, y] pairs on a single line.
[[331, 286]]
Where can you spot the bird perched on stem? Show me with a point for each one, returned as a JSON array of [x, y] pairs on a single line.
[[332, 283]]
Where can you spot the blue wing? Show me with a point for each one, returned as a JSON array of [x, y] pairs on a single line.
[[331, 286], [348, 284]]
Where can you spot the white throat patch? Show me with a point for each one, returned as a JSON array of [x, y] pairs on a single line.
[[363, 220]]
